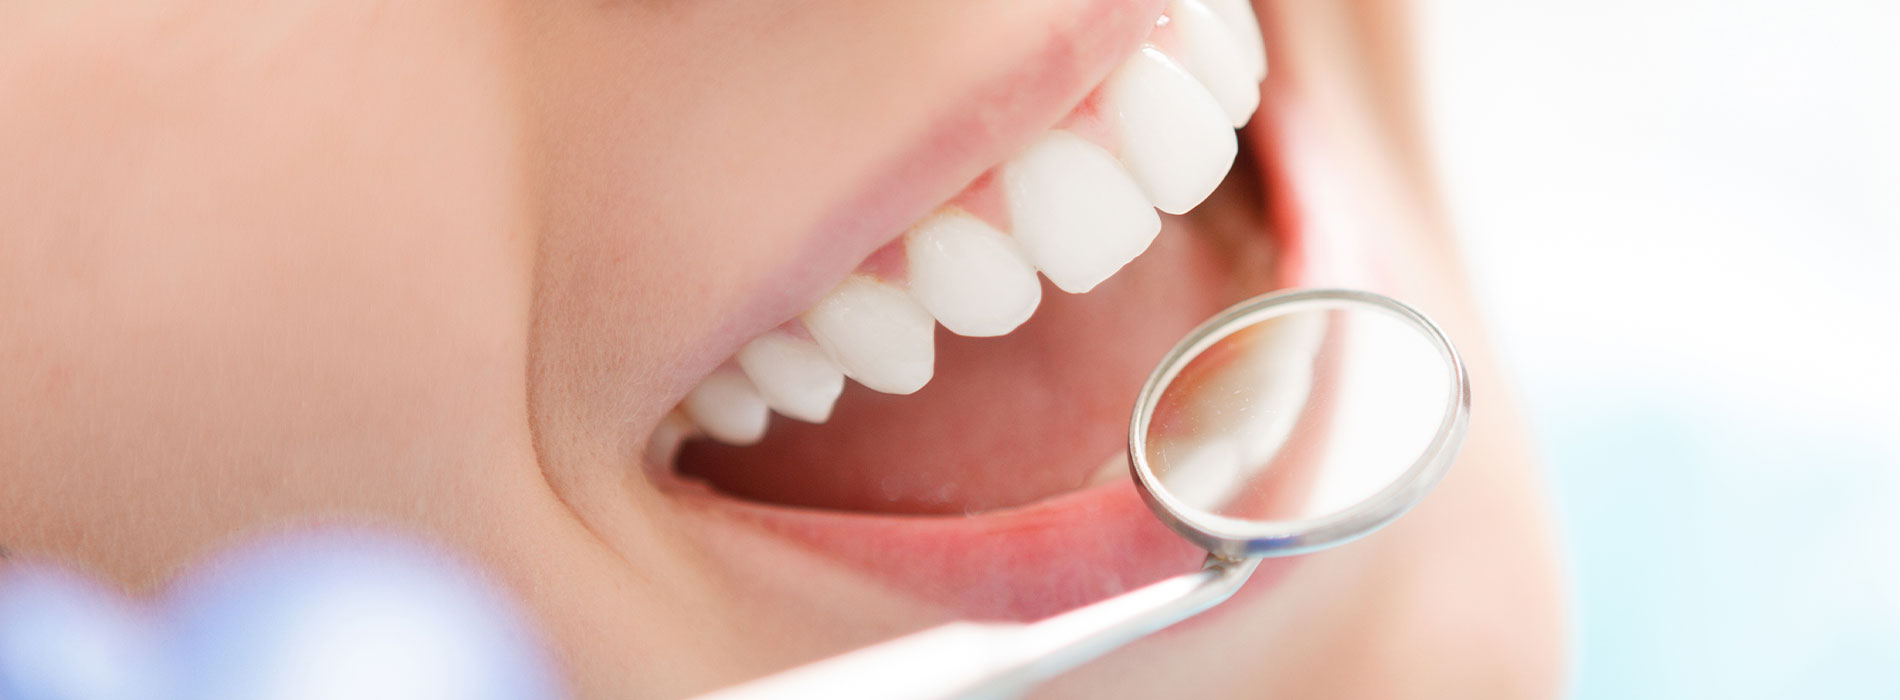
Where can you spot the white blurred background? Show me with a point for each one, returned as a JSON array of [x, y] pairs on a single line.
[[1685, 222]]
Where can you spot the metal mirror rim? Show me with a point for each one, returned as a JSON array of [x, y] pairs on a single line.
[[1235, 538]]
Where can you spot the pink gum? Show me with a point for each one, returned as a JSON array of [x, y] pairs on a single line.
[[984, 199]]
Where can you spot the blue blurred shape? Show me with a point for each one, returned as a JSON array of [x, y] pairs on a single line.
[[348, 615], [63, 637]]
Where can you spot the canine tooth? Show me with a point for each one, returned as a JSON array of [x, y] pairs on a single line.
[[794, 375], [877, 333], [728, 408], [1076, 212], [1176, 140], [1208, 51], [970, 276], [1239, 19]]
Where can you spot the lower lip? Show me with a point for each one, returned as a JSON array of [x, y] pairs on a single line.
[[1060, 553]]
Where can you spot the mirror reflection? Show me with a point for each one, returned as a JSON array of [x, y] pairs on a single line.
[[1299, 415]]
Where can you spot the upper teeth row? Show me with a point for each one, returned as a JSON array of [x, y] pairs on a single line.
[[1077, 213]]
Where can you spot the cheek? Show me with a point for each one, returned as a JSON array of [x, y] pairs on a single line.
[[198, 391], [690, 155], [260, 313]]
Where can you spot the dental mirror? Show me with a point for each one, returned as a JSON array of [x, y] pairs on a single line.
[[1299, 421], [1286, 424]]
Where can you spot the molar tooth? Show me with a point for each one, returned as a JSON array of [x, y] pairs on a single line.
[[794, 375], [1208, 51], [1239, 19], [877, 333], [972, 277], [1114, 470], [728, 408], [673, 429], [1076, 212], [1176, 140]]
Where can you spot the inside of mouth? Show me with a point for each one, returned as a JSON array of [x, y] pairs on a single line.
[[1010, 420]]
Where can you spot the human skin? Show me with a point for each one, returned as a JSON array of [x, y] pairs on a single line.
[[440, 267]]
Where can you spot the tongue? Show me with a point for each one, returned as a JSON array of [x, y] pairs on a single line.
[[1007, 420]]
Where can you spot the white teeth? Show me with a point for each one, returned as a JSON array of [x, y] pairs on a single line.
[[728, 408], [1175, 139], [1077, 214], [1209, 52], [1238, 16], [674, 428], [794, 375], [1113, 470], [877, 333], [970, 276]]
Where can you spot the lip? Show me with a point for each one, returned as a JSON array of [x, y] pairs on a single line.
[[993, 120], [1035, 560], [1059, 553]]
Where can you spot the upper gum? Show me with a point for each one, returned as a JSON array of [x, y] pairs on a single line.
[[983, 198]]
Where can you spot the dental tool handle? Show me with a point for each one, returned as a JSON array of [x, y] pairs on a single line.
[[1000, 660]]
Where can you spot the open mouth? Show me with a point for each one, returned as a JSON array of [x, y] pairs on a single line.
[[1059, 277]]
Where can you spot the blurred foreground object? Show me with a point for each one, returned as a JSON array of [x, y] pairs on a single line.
[[332, 615]]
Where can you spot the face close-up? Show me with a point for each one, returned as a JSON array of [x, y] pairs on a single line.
[[729, 336]]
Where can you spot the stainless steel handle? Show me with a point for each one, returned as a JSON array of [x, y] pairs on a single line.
[[996, 660]]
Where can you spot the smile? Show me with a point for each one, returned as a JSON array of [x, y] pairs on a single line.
[[982, 468]]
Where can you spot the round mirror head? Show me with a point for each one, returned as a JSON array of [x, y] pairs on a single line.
[[1298, 421]]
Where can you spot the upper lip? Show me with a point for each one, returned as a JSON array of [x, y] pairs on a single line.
[[994, 119], [1019, 563]]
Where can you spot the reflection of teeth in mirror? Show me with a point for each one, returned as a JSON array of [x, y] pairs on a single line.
[[1391, 382], [1289, 369], [1204, 473], [1222, 440], [1073, 209]]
